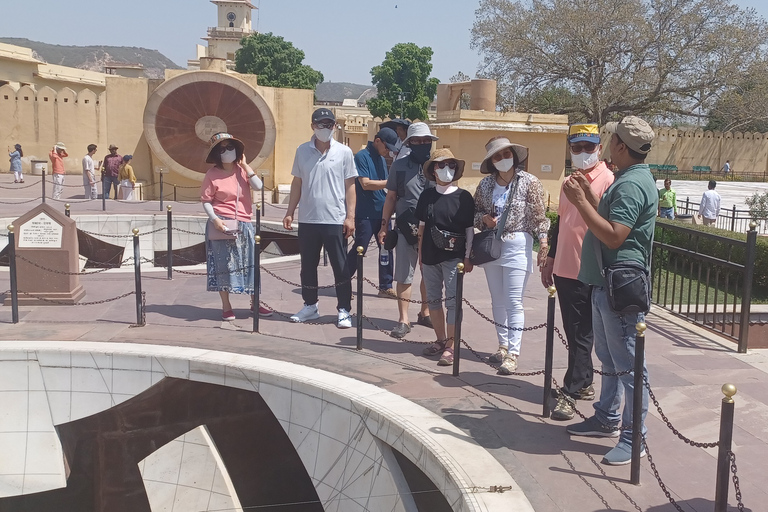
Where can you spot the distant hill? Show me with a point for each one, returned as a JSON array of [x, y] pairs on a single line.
[[93, 58], [340, 91]]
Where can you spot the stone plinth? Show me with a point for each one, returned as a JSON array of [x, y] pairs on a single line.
[[47, 258]]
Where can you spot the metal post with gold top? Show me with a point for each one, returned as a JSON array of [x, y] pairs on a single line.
[[360, 251], [549, 352], [637, 405], [66, 210], [256, 281], [458, 317], [258, 219], [137, 275], [12, 271], [724, 448], [169, 241]]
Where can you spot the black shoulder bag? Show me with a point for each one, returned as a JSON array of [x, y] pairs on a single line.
[[486, 245], [628, 284]]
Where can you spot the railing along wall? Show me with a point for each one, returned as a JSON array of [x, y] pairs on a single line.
[[729, 219], [714, 292]]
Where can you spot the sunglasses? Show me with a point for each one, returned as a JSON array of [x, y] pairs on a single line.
[[229, 147], [448, 163], [325, 124], [589, 147]]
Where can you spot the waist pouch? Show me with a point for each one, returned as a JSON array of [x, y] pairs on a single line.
[[629, 287], [447, 240], [409, 226]]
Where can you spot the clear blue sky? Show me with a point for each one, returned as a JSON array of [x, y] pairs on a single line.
[[343, 39]]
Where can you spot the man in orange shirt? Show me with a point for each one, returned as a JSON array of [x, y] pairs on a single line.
[[562, 270], [57, 154]]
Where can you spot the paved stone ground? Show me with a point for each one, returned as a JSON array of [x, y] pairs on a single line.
[[687, 367]]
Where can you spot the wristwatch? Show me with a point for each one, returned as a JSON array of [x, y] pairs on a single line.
[[251, 175]]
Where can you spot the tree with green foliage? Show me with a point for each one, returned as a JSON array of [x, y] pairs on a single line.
[[403, 83], [653, 58], [276, 62], [742, 106]]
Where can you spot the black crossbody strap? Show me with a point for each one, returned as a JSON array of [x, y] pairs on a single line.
[[503, 221]]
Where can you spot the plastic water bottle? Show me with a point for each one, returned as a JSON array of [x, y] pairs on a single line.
[[383, 258]]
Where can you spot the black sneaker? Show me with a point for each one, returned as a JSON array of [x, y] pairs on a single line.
[[565, 408], [426, 321], [400, 330], [593, 428], [587, 393]]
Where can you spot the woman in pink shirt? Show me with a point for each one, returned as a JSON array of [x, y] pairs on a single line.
[[57, 155], [229, 235]]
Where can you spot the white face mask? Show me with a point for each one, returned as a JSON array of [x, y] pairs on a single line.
[[505, 165], [229, 156], [324, 134], [445, 174], [585, 160], [398, 145]]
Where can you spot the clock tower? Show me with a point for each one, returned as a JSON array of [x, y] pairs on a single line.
[[234, 23]]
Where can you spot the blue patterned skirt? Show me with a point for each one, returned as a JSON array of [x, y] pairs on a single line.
[[230, 262]]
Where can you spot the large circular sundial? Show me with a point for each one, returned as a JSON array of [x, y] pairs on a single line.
[[185, 111]]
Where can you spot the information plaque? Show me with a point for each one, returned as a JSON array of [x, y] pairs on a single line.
[[40, 231]]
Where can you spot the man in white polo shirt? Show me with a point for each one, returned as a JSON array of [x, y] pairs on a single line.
[[324, 187]]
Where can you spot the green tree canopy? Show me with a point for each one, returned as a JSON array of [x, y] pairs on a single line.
[[743, 106], [644, 57], [276, 61], [403, 83]]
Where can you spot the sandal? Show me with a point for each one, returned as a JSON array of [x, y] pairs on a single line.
[[447, 358], [434, 349]]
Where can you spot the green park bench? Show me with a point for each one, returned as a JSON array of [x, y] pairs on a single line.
[[702, 169]]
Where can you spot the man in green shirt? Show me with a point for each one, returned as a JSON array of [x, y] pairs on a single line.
[[621, 226], [667, 201]]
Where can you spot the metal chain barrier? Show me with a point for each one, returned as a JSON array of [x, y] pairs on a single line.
[[739, 504], [92, 303], [435, 301], [658, 477], [187, 232], [384, 331], [37, 184], [191, 273], [82, 273], [124, 236], [485, 360], [669, 423], [615, 486], [490, 320], [76, 201], [589, 485], [297, 285], [21, 202]]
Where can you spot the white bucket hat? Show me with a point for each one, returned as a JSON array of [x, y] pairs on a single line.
[[499, 144], [419, 130]]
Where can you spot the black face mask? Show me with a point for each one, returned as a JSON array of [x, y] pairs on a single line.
[[420, 153]]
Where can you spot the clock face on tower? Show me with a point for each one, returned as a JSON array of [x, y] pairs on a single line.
[[231, 16]]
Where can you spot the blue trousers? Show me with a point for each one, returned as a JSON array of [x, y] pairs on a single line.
[[107, 183], [614, 336], [364, 230]]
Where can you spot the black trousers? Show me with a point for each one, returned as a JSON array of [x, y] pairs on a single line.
[[312, 238], [575, 300]]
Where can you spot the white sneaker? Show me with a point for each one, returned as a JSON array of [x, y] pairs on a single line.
[[308, 312], [345, 321]]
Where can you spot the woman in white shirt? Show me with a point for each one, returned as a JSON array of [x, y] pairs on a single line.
[[510, 186]]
